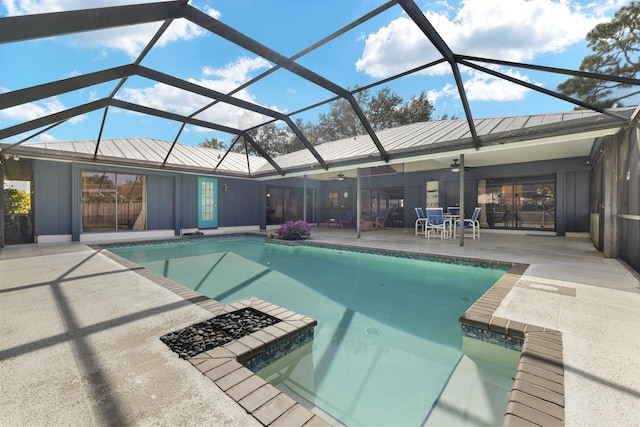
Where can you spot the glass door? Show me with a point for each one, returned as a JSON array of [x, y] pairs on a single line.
[[207, 202], [311, 205], [518, 203]]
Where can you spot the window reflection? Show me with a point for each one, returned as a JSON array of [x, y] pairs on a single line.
[[113, 202]]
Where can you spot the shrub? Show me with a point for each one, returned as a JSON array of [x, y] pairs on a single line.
[[294, 230]]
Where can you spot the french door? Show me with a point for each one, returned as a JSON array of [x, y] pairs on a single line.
[[207, 202]]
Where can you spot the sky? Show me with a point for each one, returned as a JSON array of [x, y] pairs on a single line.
[[542, 32]]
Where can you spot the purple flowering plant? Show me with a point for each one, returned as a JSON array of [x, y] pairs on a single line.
[[294, 230]]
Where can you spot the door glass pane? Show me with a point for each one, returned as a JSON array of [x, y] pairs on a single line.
[[112, 202], [131, 202], [98, 201], [206, 200]]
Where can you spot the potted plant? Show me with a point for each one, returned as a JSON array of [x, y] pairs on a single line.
[[294, 230]]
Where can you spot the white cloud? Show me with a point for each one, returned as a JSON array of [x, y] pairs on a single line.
[[518, 30], [45, 137], [484, 87], [168, 98], [447, 91], [130, 39], [32, 110], [239, 71]]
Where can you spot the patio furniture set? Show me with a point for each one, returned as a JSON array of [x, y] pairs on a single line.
[[437, 223]]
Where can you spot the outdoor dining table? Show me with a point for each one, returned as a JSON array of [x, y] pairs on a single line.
[[453, 219]]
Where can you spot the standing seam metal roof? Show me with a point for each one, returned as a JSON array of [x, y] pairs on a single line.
[[415, 139]]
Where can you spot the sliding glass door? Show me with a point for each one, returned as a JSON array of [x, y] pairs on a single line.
[[287, 204], [518, 203], [383, 202]]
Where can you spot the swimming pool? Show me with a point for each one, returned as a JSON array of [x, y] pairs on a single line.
[[388, 337]]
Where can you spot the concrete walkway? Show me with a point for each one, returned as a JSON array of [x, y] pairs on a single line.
[[80, 346], [80, 333]]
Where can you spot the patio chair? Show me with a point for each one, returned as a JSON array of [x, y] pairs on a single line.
[[473, 224], [348, 219], [453, 210], [437, 224], [421, 221], [381, 219]]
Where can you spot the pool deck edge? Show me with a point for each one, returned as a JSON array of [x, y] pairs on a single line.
[[537, 395], [223, 366], [538, 374]]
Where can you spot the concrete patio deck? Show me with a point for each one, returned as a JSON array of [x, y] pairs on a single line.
[[80, 332]]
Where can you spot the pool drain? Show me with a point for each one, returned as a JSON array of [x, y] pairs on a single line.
[[372, 331]]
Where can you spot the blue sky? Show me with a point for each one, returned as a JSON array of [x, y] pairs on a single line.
[[542, 32]]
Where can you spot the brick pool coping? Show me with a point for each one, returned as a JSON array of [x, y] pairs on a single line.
[[223, 365], [537, 395], [536, 398]]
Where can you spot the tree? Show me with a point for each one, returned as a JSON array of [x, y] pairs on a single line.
[[16, 201], [218, 144], [417, 109], [616, 47], [385, 109], [341, 121], [274, 140]]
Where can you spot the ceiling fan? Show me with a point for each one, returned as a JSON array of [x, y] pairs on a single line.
[[455, 166]]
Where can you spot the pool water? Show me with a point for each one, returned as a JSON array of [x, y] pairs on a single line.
[[387, 339]]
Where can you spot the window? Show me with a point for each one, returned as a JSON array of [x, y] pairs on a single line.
[[113, 201], [334, 199]]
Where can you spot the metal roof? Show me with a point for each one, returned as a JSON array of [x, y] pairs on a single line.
[[381, 145], [148, 152], [433, 139]]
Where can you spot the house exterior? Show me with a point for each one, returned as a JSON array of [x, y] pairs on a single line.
[[575, 172]]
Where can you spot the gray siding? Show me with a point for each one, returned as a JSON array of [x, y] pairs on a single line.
[[160, 202], [53, 199], [238, 206], [577, 201], [189, 201], [172, 198], [241, 204]]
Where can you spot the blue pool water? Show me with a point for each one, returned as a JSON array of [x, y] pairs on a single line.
[[388, 336]]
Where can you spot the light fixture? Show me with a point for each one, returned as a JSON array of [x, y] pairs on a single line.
[[455, 166], [340, 176]]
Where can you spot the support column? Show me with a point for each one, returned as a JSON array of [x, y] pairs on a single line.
[[304, 198], [177, 205], [357, 201], [76, 201], [561, 196], [461, 202], [609, 198], [2, 205]]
